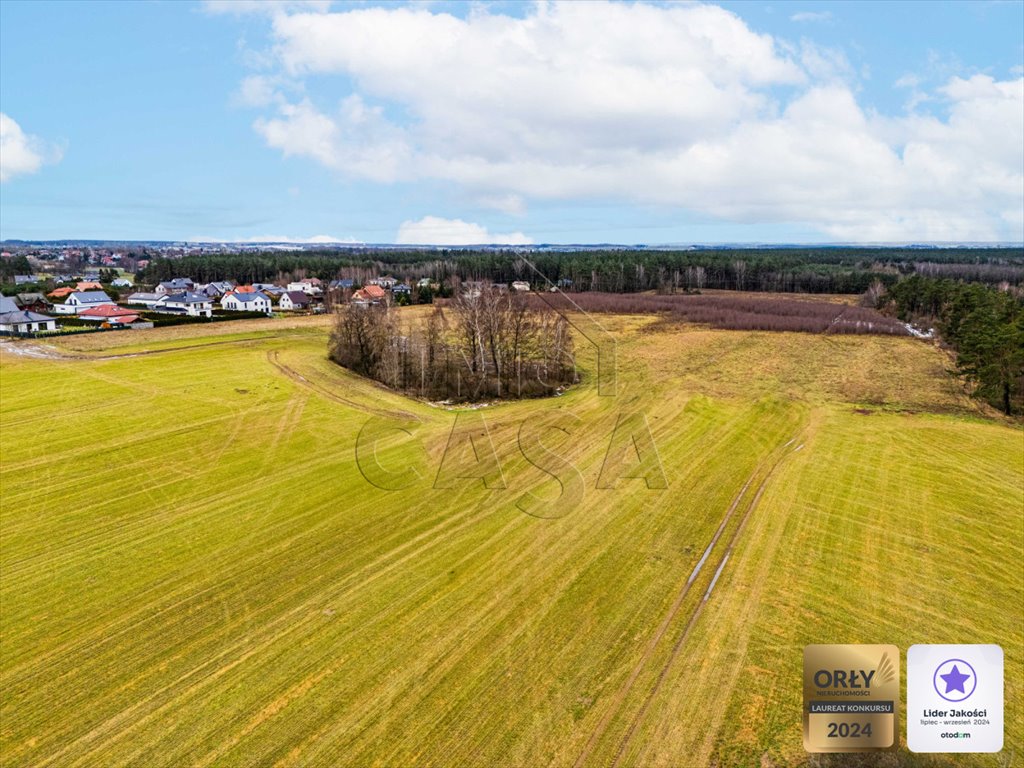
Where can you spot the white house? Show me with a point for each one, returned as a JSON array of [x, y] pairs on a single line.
[[81, 300], [122, 282], [293, 300], [192, 304], [145, 299], [386, 282], [246, 302], [24, 321], [16, 320], [310, 287]]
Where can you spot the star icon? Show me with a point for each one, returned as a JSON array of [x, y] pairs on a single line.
[[955, 680]]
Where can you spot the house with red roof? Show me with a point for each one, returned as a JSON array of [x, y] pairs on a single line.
[[109, 313]]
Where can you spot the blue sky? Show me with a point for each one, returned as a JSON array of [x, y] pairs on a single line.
[[453, 122]]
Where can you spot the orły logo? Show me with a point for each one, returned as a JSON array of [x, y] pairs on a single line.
[[855, 679]]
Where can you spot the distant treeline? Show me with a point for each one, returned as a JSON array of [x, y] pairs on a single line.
[[799, 270], [983, 325]]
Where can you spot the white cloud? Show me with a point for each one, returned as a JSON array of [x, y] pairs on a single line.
[[257, 91], [355, 139], [22, 153], [811, 16], [909, 80], [431, 230], [672, 105]]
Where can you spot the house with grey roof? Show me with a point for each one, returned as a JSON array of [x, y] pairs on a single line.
[[246, 302], [33, 302], [186, 303], [144, 299], [177, 285], [14, 319], [217, 289], [81, 300]]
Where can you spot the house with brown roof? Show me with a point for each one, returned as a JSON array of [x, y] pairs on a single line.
[[370, 294], [293, 300]]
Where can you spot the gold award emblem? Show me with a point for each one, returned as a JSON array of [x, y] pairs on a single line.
[[851, 697]]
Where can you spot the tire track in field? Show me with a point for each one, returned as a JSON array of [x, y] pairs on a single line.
[[620, 697], [56, 353], [638, 717], [321, 390]]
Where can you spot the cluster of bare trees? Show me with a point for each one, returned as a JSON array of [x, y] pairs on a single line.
[[484, 344]]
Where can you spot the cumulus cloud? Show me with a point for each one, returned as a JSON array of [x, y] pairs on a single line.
[[683, 106], [431, 230], [22, 153]]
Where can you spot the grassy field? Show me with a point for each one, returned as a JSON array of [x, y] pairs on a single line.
[[194, 571]]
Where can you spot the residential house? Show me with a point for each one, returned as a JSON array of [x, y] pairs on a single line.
[[312, 286], [33, 302], [88, 285], [177, 285], [401, 289], [145, 299], [186, 303], [15, 319], [293, 300], [122, 282], [344, 284], [27, 279], [423, 282], [370, 294], [110, 314], [61, 293], [79, 301], [246, 302], [386, 282], [217, 289]]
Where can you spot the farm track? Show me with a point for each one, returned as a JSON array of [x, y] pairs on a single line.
[[620, 698], [55, 353], [323, 391]]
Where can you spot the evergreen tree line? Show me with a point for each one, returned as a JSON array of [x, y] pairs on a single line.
[[983, 325], [799, 270]]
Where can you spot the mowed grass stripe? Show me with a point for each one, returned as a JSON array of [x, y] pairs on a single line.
[[267, 606]]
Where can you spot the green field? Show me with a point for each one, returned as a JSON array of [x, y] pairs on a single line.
[[195, 572]]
